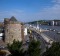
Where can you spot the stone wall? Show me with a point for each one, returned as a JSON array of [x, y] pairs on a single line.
[[13, 31]]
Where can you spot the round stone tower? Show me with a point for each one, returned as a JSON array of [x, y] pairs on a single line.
[[13, 30]]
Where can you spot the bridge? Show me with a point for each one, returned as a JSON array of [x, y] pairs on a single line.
[[40, 32]]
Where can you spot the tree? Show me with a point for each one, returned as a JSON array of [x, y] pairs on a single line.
[[34, 48], [15, 48], [54, 50]]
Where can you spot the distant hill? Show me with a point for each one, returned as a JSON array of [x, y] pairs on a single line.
[[42, 22]]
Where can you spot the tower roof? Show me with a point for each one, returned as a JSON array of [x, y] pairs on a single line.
[[13, 18]]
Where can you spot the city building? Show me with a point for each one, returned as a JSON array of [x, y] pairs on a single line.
[[55, 22], [25, 31], [13, 30]]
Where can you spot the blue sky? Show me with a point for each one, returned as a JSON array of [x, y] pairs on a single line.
[[30, 10]]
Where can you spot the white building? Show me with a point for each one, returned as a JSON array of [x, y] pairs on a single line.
[[25, 31], [1, 34], [55, 23]]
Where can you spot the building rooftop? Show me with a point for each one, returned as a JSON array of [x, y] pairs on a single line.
[[13, 19]]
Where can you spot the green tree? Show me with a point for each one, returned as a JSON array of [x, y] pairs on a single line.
[[34, 48], [15, 48], [54, 50]]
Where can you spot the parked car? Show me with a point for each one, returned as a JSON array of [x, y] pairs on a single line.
[[58, 32]]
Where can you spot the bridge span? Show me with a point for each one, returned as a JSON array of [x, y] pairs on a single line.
[[40, 32]]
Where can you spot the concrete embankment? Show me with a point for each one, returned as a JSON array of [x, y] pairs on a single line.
[[46, 38]]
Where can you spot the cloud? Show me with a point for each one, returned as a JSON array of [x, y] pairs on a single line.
[[52, 12], [8, 14], [56, 1], [21, 15], [48, 13]]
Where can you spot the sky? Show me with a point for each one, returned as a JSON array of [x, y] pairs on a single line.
[[30, 10]]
